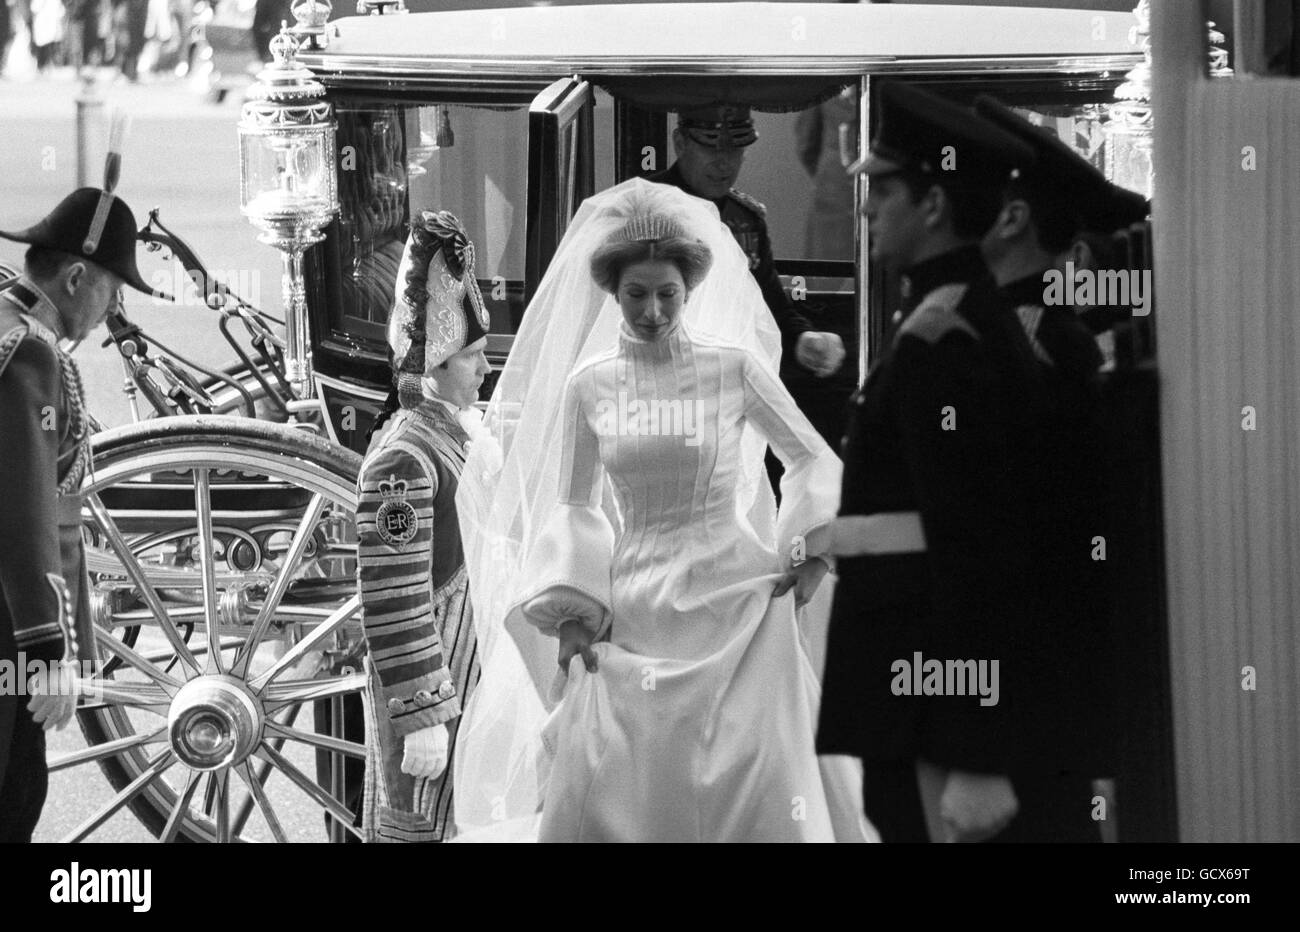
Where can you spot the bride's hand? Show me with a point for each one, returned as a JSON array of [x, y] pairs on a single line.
[[575, 638], [804, 579]]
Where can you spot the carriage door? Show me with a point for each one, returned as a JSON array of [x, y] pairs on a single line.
[[561, 169]]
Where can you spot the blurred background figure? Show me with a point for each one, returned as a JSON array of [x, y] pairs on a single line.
[[266, 23], [132, 16], [47, 31], [826, 139], [87, 29], [6, 33]]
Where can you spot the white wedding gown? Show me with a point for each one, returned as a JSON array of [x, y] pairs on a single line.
[[699, 723]]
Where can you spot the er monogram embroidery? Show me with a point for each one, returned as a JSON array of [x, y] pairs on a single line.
[[396, 520]]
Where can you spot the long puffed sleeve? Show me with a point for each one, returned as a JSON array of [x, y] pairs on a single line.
[[568, 564], [810, 486]]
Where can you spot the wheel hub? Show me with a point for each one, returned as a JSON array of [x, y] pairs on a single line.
[[213, 722]]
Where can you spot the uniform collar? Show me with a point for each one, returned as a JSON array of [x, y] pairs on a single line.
[[36, 304], [442, 413], [963, 264], [1022, 291], [673, 176]]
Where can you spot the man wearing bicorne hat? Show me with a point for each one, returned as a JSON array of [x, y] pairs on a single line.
[[77, 260], [930, 647], [423, 661], [710, 143]]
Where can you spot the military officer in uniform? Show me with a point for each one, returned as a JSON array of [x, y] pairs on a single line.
[[710, 143], [932, 650], [423, 658], [1045, 208], [77, 260]]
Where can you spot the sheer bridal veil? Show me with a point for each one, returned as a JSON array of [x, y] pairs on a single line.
[[511, 481]]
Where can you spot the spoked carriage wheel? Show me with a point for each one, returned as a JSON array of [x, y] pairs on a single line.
[[222, 557]]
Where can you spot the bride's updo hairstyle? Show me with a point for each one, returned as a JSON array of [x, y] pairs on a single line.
[[646, 238]]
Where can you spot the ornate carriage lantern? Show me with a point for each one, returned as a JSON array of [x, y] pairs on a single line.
[[288, 187], [1129, 126]]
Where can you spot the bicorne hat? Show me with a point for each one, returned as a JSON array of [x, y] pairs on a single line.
[[91, 224]]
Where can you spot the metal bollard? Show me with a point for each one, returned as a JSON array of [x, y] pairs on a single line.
[[90, 120]]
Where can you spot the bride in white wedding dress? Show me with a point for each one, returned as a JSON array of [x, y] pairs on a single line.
[[625, 512]]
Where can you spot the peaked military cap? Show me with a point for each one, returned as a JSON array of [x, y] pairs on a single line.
[[1056, 166], [920, 131], [720, 126], [1115, 209], [1065, 177], [92, 224]]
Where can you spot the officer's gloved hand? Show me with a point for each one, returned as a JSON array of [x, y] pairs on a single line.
[[425, 752], [821, 352]]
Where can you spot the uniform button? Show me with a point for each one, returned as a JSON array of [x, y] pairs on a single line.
[[396, 706], [423, 698], [446, 690]]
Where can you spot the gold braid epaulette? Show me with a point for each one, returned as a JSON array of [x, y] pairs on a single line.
[[72, 388], [749, 201]]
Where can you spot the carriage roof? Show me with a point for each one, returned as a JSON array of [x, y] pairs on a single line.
[[692, 38]]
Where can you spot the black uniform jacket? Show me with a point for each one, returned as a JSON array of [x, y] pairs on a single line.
[[744, 217], [940, 427], [1071, 520], [40, 526]]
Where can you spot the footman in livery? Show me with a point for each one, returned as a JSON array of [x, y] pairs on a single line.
[[423, 660]]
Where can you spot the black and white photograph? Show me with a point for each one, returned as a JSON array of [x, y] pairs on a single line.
[[476, 421]]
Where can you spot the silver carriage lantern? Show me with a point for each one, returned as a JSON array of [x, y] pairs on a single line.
[[1130, 125], [288, 187]]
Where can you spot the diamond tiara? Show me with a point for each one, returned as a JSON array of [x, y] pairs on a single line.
[[646, 227]]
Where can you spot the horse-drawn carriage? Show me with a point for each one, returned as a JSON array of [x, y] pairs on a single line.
[[219, 525]]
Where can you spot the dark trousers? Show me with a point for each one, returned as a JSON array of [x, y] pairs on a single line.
[[352, 728], [1052, 809], [137, 16], [23, 777]]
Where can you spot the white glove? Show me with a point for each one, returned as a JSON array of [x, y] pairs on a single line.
[[425, 752], [821, 352]]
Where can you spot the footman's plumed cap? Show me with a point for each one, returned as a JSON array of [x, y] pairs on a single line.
[[438, 308], [922, 132]]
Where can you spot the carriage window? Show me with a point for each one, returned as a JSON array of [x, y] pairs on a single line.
[[797, 168], [1079, 126], [396, 160]]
